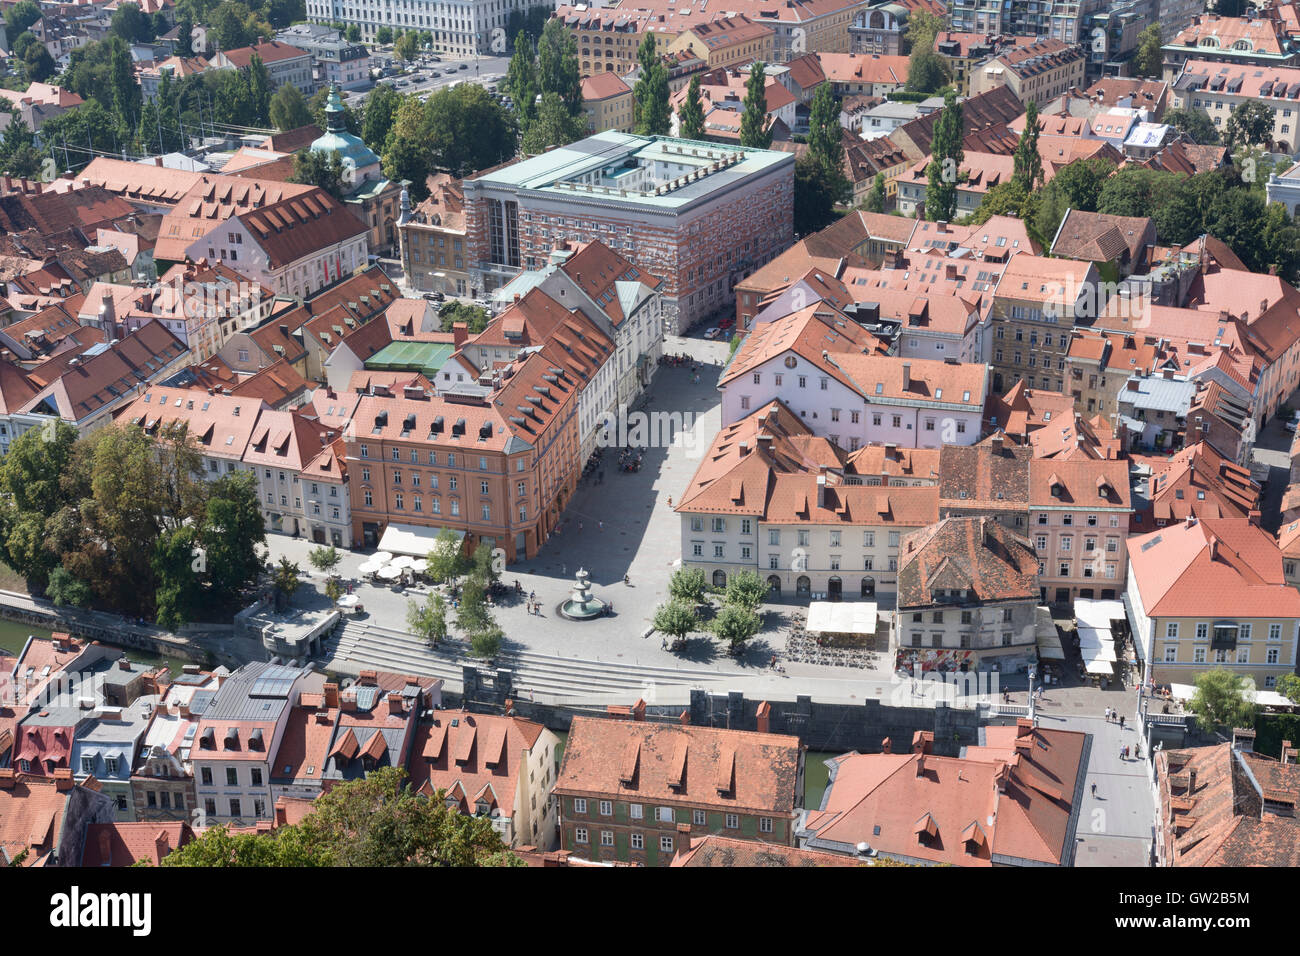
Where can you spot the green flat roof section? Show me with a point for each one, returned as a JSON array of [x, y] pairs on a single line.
[[423, 357], [551, 172]]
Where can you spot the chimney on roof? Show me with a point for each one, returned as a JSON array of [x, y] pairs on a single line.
[[923, 742], [331, 695], [459, 333], [821, 491], [887, 746], [1288, 752], [368, 679], [162, 845], [1243, 739], [907, 376], [395, 703], [996, 444], [63, 779], [281, 813], [763, 718], [7, 778]]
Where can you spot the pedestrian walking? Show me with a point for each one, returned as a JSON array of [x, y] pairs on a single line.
[[1121, 721], [1094, 789]]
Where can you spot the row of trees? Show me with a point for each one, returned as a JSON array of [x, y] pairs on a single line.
[[474, 618], [546, 88], [125, 521], [736, 621]]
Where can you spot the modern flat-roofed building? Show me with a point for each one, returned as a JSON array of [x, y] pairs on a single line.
[[701, 216]]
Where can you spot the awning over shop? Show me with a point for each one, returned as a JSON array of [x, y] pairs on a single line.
[[1098, 614], [1099, 667], [1104, 653], [412, 539], [1049, 647], [842, 617]]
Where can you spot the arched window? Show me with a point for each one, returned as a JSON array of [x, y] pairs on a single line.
[[803, 585], [773, 585], [868, 587], [719, 579]]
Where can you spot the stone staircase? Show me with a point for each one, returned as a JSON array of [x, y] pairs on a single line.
[[362, 644]]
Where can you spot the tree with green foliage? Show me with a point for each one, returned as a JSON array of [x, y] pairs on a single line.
[[927, 72], [521, 83], [946, 156], [185, 34], [283, 13], [20, 17], [324, 558], [746, 589], [458, 130], [557, 65], [131, 24], [31, 493], [333, 590], [178, 592], [651, 110], [473, 616], [475, 317], [825, 141], [38, 65], [688, 584], [1250, 124], [677, 619], [126, 92], [690, 115], [259, 89], [372, 821], [485, 644], [353, 33], [445, 560], [735, 625], [407, 47], [378, 116], [553, 125], [1288, 685], [80, 129], [1220, 700], [232, 532], [1149, 59], [285, 579], [815, 193], [288, 110], [1027, 161], [65, 589], [325, 170], [384, 36], [754, 130], [483, 564], [922, 28], [875, 201], [428, 621], [234, 26]]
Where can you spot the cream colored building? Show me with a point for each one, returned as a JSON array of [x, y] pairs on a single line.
[[607, 103], [1211, 593]]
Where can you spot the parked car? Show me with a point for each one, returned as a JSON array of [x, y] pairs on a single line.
[[711, 333], [464, 66]]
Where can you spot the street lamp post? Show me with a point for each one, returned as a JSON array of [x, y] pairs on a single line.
[[1033, 672]]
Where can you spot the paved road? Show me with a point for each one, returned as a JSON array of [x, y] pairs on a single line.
[[487, 71], [1273, 448]]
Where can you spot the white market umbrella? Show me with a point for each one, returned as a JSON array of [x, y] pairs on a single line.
[[381, 557], [402, 561], [348, 600], [389, 573], [368, 567], [419, 565]]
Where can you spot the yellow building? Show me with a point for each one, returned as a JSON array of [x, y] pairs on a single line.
[[729, 41], [607, 101], [1211, 593]]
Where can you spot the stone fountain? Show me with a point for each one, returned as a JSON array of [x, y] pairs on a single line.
[[581, 606]]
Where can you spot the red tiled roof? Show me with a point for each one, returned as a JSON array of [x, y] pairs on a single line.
[[977, 555], [122, 844], [700, 766], [1221, 567]]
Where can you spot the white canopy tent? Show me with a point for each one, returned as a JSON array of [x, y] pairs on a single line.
[[1105, 653], [1049, 647], [842, 617], [1098, 667], [412, 540], [1097, 614], [1265, 698]]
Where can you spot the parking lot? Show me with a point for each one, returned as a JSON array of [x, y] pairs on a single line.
[[427, 76]]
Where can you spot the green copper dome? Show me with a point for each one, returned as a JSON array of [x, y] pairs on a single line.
[[351, 149]]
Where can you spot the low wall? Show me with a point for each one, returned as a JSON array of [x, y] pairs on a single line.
[[162, 643], [820, 726]]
